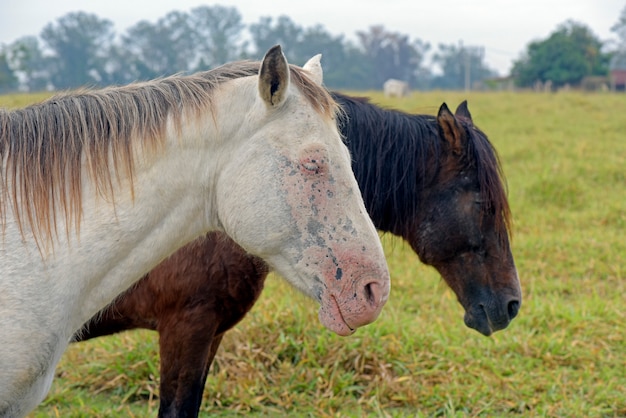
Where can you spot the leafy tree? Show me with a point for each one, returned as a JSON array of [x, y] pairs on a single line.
[[355, 70], [391, 55], [267, 33], [8, 80], [163, 48], [315, 40], [568, 55], [26, 59], [79, 42], [217, 33], [460, 67], [121, 67], [300, 44]]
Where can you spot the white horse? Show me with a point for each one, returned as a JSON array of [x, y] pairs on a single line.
[[98, 187], [396, 88]]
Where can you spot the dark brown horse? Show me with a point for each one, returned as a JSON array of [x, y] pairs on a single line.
[[435, 181]]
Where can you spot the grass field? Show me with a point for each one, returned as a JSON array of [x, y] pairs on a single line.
[[564, 156]]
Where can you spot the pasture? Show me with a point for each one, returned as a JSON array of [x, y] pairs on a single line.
[[564, 157]]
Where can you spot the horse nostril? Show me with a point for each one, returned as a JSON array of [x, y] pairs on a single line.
[[369, 293], [513, 308], [373, 293]]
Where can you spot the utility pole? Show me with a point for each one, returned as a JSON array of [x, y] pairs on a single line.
[[467, 63], [467, 53]]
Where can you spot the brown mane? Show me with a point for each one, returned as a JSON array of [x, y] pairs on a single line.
[[43, 146]]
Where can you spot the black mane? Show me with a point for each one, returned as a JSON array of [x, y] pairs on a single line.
[[397, 156]]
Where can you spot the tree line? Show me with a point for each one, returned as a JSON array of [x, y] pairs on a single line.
[[82, 49]]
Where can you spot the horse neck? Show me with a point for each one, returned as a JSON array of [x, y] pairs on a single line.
[[126, 233], [174, 199]]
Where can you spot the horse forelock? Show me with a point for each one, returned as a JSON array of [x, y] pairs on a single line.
[[43, 146]]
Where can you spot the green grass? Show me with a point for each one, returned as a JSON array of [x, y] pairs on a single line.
[[565, 355]]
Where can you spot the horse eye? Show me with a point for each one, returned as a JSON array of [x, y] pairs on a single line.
[[311, 166]]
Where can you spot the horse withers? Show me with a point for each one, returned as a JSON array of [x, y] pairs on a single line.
[[433, 180], [98, 187]]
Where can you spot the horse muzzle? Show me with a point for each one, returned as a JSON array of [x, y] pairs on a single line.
[[488, 318], [354, 307]]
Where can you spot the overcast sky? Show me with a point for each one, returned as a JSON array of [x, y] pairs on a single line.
[[503, 27]]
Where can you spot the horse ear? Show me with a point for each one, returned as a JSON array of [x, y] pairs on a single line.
[[314, 67], [463, 112], [274, 77], [453, 133]]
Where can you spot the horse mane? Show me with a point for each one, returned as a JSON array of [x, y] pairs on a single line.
[[43, 146], [398, 158], [491, 180]]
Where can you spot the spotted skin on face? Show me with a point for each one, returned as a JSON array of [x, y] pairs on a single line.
[[311, 188]]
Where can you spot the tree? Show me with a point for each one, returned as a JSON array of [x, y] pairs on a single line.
[[217, 33], [569, 54], [355, 70], [8, 80], [460, 66], [79, 43], [267, 33], [317, 40], [121, 66], [391, 55], [163, 48], [300, 44], [26, 59]]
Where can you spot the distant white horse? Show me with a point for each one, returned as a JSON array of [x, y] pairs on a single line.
[[396, 88], [98, 187]]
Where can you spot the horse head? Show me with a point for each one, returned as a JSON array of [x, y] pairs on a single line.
[[320, 238], [463, 229]]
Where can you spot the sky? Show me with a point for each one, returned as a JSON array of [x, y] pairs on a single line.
[[503, 27]]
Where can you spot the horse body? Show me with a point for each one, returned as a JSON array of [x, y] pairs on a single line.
[[202, 153], [434, 181]]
